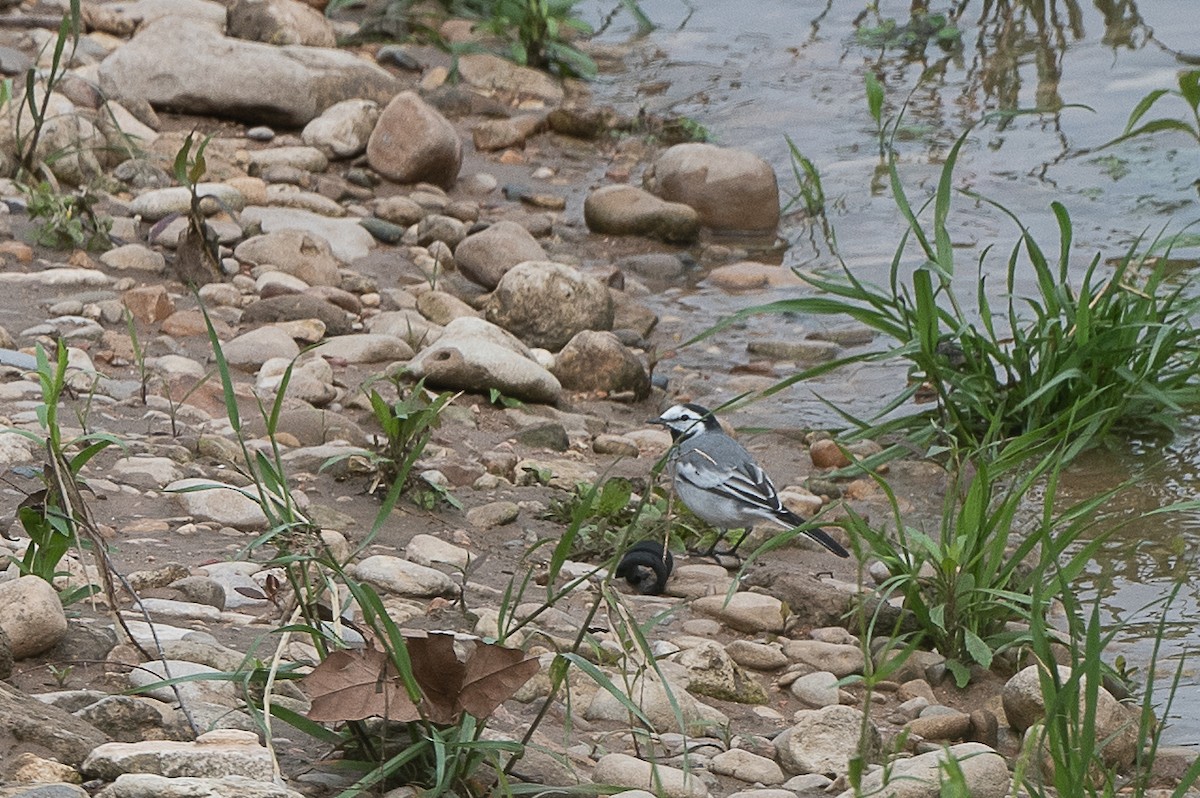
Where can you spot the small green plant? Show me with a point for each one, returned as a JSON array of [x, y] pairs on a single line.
[[810, 195], [407, 423], [961, 581], [1113, 349], [538, 34], [69, 30], [60, 675], [67, 220], [496, 397], [1188, 91], [197, 260], [56, 518]]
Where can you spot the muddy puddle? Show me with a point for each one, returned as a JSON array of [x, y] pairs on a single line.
[[752, 74]]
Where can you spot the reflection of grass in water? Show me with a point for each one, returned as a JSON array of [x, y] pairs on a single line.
[[1113, 166]]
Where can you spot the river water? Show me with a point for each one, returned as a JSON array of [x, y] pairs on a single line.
[[755, 72]]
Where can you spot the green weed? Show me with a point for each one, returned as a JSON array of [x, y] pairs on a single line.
[[67, 221]]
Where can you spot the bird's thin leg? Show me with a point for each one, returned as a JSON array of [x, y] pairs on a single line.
[[711, 551]]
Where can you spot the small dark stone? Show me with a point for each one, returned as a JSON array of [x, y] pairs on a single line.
[[515, 192], [290, 307], [382, 230], [984, 728], [83, 642], [397, 56], [545, 435], [365, 178]]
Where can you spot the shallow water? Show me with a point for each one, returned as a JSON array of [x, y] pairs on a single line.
[[752, 73]]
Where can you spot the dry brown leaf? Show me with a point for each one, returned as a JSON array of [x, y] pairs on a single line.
[[353, 685], [493, 675], [439, 673], [357, 685]]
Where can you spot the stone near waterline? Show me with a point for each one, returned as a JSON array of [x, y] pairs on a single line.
[[159, 203], [134, 257], [33, 617], [151, 785], [984, 771], [402, 577], [628, 771], [366, 348], [189, 67], [597, 361], [840, 660], [803, 351], [545, 304], [486, 256], [413, 143], [816, 690], [732, 190], [342, 129], [746, 766], [499, 134], [250, 350], [209, 500], [346, 237], [1024, 705], [745, 612], [214, 754], [653, 266], [280, 22], [625, 210], [295, 252], [500, 75], [824, 740], [749, 275]]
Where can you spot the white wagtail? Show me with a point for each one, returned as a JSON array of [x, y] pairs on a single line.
[[719, 481]]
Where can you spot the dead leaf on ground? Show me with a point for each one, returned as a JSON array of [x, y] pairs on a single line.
[[360, 684]]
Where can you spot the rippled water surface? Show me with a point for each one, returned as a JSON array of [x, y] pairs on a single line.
[[753, 72]]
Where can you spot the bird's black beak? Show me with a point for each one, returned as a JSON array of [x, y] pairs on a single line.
[[657, 421]]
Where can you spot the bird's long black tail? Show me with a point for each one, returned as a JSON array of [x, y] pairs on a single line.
[[788, 518]]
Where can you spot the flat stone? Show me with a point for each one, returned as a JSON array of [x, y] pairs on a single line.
[[402, 577], [215, 754], [209, 500], [745, 612], [628, 771]]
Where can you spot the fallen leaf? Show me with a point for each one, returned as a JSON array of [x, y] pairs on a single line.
[[353, 685], [493, 675]]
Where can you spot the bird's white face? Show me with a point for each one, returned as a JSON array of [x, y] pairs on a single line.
[[686, 420]]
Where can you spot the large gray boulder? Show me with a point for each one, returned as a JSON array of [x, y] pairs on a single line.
[[732, 190], [546, 304], [473, 355], [413, 143], [184, 65]]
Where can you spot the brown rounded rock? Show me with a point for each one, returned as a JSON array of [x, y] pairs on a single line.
[[826, 453], [413, 143], [730, 189], [597, 361]]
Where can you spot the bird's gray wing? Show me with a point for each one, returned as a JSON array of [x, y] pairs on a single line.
[[744, 482]]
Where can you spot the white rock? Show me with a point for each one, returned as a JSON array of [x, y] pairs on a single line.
[[214, 691], [158, 203], [251, 349], [823, 740], [342, 130], [403, 577], [152, 785], [347, 238], [628, 771], [61, 278], [215, 754], [429, 550], [134, 257], [366, 348], [745, 612], [985, 772], [746, 766], [210, 500]]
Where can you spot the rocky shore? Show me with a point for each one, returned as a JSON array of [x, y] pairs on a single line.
[[508, 241]]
